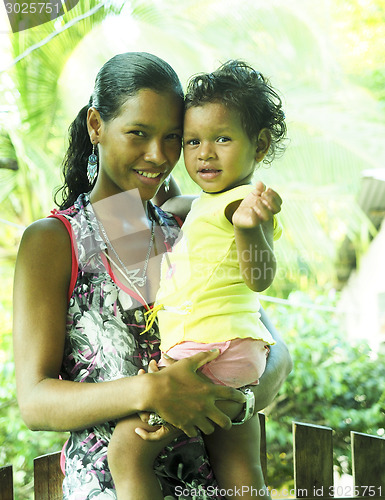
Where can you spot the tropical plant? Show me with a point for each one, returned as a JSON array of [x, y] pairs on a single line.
[[30, 138], [361, 26], [335, 383]]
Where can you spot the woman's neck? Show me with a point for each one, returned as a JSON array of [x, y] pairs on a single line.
[[126, 201]]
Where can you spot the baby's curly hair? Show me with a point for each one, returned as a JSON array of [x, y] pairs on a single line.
[[238, 86]]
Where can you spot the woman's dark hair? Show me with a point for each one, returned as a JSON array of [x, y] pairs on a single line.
[[120, 78], [239, 87]]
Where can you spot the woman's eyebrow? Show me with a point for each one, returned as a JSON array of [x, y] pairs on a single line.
[[150, 127], [177, 128], [138, 124]]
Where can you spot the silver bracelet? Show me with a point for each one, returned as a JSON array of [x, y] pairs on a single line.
[[155, 419], [248, 409]]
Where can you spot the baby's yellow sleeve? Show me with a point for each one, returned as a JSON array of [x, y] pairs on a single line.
[[277, 229]]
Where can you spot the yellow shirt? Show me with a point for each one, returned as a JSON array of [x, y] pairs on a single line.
[[202, 291]]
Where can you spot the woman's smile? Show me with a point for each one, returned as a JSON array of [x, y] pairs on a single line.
[[149, 178]]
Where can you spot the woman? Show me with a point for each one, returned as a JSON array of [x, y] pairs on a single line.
[[85, 276]]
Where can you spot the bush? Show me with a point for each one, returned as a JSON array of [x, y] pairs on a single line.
[[19, 446], [334, 382]]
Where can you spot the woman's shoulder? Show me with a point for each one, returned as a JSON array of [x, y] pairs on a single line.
[[52, 226], [49, 227], [46, 238]]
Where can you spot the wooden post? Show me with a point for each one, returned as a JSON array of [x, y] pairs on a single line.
[[313, 460], [368, 464], [48, 477], [6, 483]]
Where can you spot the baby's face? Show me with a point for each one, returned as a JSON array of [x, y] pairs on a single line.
[[218, 153]]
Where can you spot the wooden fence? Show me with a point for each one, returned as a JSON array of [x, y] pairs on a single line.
[[313, 467]]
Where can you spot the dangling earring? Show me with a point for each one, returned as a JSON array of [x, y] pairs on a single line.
[[166, 183], [92, 166]]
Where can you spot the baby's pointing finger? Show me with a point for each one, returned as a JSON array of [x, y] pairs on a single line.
[[259, 187], [272, 201]]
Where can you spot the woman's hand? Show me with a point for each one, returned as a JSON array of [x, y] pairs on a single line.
[[159, 432], [186, 399]]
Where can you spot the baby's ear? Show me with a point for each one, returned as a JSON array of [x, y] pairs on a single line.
[[263, 144]]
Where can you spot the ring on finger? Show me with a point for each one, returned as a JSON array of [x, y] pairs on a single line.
[[155, 419]]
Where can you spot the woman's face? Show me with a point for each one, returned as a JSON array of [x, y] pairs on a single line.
[[139, 148]]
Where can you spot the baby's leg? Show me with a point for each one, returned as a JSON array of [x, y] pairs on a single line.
[[131, 460], [235, 458]]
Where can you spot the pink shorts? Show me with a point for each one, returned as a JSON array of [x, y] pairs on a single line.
[[241, 361]]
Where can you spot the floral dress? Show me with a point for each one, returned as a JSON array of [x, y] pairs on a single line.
[[104, 342]]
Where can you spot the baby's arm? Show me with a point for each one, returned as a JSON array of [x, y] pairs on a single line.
[[252, 219]]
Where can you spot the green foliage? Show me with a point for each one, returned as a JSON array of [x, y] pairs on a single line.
[[335, 382], [37, 73], [362, 27], [31, 133], [18, 445]]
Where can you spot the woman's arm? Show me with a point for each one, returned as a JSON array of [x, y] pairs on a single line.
[[42, 277], [279, 365], [171, 200]]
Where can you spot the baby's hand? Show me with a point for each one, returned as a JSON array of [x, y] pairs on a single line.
[[259, 206], [160, 431]]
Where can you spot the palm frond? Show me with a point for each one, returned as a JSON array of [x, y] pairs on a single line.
[[36, 75]]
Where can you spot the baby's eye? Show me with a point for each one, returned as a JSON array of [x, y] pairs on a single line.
[[223, 139], [191, 142]]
